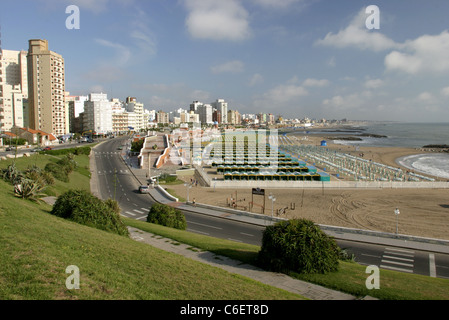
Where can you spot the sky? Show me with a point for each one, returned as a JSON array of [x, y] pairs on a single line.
[[294, 58]]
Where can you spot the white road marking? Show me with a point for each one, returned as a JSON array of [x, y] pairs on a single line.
[[131, 213], [397, 258], [401, 250], [396, 269], [206, 225], [138, 211], [234, 240], [247, 234], [398, 263], [432, 267]]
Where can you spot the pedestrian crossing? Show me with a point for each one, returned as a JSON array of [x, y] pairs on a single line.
[[113, 171], [139, 214], [107, 153], [398, 259]]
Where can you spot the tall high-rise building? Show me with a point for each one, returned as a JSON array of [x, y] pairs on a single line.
[[222, 106], [46, 89], [13, 88], [97, 115]]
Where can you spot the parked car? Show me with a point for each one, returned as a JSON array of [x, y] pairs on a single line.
[[11, 149], [144, 189], [37, 149], [48, 148]]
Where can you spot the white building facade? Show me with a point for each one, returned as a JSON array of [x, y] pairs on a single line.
[[98, 114], [13, 88]]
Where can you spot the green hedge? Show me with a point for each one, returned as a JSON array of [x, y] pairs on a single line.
[[167, 216], [300, 246], [76, 151], [83, 207]]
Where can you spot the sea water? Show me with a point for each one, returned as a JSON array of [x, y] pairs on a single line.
[[410, 135]]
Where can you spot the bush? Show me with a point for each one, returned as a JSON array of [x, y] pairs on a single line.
[[136, 146], [300, 246], [57, 171], [83, 207], [167, 216], [76, 151]]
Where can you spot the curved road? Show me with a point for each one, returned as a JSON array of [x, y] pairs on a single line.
[[117, 182]]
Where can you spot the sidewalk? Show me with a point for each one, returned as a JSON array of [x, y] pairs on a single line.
[[278, 280]]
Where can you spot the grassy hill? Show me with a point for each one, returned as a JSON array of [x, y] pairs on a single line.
[[36, 248]]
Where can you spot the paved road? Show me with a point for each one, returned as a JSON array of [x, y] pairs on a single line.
[[117, 181]]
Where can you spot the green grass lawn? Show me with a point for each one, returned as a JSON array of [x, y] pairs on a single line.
[[79, 179], [36, 248]]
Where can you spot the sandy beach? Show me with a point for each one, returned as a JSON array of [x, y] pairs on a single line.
[[423, 212]]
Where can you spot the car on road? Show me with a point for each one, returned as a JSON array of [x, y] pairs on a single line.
[[11, 149], [48, 148], [37, 150], [144, 189]]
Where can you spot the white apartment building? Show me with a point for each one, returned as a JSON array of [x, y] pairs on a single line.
[[205, 113], [222, 106], [98, 114], [135, 114], [13, 88]]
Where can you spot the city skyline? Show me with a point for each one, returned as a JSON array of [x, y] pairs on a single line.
[[315, 59]]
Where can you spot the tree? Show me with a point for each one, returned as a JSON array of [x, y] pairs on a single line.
[[300, 246]]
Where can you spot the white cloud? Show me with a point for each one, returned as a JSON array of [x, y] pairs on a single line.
[[123, 54], [331, 62], [349, 102], [255, 80], [235, 66], [315, 83], [217, 20], [426, 54], [200, 95], [142, 34], [357, 35], [276, 4], [374, 83], [426, 97], [285, 93], [445, 91], [95, 6]]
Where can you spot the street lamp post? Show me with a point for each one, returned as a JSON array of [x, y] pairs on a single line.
[[273, 199], [188, 187], [396, 212]]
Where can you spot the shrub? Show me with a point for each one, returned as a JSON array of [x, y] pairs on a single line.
[[11, 174], [68, 163], [300, 246], [76, 151], [83, 207], [29, 189], [136, 146], [167, 216], [57, 171]]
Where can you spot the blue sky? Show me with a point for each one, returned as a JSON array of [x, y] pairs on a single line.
[[296, 58]]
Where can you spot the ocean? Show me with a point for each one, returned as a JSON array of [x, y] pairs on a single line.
[[412, 135]]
